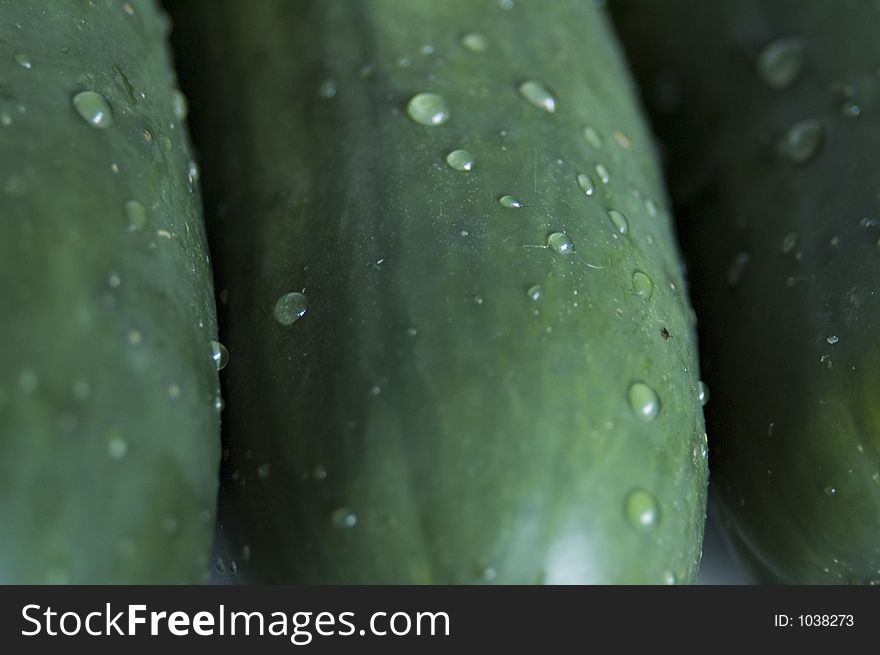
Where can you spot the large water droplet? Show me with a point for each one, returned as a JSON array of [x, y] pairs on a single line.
[[535, 292], [290, 308], [644, 401], [560, 242], [642, 285], [585, 182], [801, 142], [24, 61], [136, 215], [343, 517], [781, 62], [510, 202], [475, 42], [428, 109], [619, 221], [219, 355], [703, 393], [460, 160], [93, 108], [641, 509], [538, 94]]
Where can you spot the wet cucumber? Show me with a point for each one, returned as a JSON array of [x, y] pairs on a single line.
[[109, 434], [446, 366], [770, 112]]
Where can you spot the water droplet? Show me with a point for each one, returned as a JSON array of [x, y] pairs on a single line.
[[789, 242], [475, 42], [93, 108], [117, 448], [592, 137], [135, 337], [619, 221], [535, 292], [290, 308], [801, 142], [460, 160], [179, 105], [703, 393], [343, 517], [644, 401], [173, 391], [245, 553], [327, 89], [538, 94], [830, 490], [560, 242], [510, 202], [585, 182], [192, 172], [488, 574], [642, 285], [781, 62], [737, 268], [602, 172], [319, 472], [5, 119], [264, 471], [136, 215], [24, 61], [219, 355], [505, 4], [833, 339], [81, 389], [428, 109], [641, 509], [28, 380], [669, 578]]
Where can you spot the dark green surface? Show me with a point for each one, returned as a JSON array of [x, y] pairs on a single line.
[[109, 436], [794, 420], [426, 421]]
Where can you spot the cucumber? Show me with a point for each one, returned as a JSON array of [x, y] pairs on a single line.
[[770, 114], [109, 434], [446, 366]]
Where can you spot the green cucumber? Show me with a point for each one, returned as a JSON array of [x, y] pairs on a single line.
[[493, 379], [770, 113], [109, 433]]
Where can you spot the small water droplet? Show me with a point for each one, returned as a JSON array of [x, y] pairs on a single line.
[[830, 490], [179, 105], [789, 242], [505, 4], [475, 42], [170, 525], [592, 137], [833, 339], [93, 108], [343, 517], [800, 144], [538, 94], [136, 215], [510, 202], [245, 553], [641, 509], [24, 61], [81, 389], [264, 471], [560, 242], [319, 472], [28, 380], [737, 269], [460, 160], [173, 391], [781, 62], [602, 172], [117, 448], [585, 182], [192, 172], [428, 109], [5, 119], [488, 574], [290, 308], [669, 578], [642, 285], [535, 292], [644, 401], [621, 224], [703, 393], [327, 89], [219, 355]]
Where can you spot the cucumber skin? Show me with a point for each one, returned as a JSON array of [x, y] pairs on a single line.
[[73, 507], [496, 443], [793, 421]]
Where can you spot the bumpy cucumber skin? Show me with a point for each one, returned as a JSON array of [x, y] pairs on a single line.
[[791, 352], [425, 421], [109, 436]]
